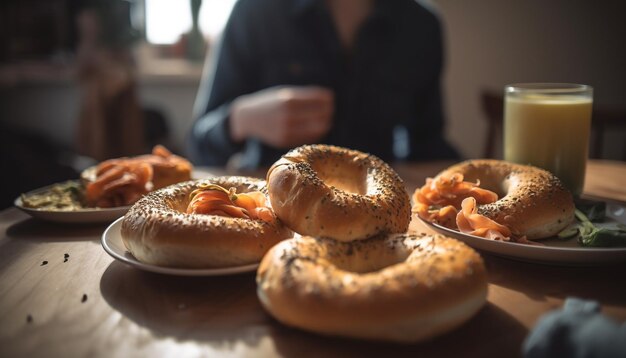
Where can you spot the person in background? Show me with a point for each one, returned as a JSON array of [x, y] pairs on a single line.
[[353, 73]]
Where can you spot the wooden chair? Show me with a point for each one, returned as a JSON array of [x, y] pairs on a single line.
[[492, 105], [603, 121]]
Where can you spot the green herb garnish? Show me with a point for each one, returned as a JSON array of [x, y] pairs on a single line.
[[593, 236], [67, 196], [594, 210]]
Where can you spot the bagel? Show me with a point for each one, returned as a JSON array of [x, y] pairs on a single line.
[[404, 288], [530, 202], [158, 230], [342, 194]]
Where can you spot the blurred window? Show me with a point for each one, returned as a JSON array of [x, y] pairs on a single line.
[[167, 20]]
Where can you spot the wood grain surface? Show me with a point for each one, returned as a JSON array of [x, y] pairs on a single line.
[[83, 303]]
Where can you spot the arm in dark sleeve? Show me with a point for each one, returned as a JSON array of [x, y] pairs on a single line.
[[231, 76], [426, 130]]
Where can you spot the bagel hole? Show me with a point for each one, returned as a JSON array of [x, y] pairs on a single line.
[[345, 176], [181, 204], [370, 261], [180, 207], [499, 185]]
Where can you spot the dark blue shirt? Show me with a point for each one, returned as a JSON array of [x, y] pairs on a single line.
[[389, 83]]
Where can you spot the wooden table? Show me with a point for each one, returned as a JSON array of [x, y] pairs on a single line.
[[84, 303]]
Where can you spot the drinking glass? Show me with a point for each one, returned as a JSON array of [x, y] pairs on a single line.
[[547, 125]]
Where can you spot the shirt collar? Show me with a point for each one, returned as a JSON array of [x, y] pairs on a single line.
[[302, 6], [383, 9]]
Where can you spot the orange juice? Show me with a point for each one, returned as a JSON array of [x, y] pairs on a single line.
[[549, 130]]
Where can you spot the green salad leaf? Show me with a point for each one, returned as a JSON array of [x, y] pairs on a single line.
[[594, 210], [593, 236]]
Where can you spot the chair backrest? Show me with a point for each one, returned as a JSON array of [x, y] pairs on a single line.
[[603, 121], [492, 105]]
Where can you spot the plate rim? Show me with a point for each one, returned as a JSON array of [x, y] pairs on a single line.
[[554, 255], [20, 205], [526, 246], [222, 271]]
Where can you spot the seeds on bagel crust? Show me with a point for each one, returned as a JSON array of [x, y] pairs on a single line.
[[531, 202], [158, 230], [338, 193], [398, 287]]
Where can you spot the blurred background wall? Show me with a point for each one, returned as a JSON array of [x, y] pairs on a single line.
[[492, 43], [489, 43]]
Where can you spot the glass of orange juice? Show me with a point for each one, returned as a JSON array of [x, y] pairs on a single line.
[[548, 125]]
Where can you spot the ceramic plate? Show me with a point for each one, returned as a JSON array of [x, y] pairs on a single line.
[[113, 245], [555, 251], [88, 215]]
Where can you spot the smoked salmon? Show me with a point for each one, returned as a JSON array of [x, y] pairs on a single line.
[[215, 200], [122, 181], [450, 201]]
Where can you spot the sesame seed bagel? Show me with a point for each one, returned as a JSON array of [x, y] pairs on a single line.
[[532, 201], [157, 230], [404, 288], [337, 193]]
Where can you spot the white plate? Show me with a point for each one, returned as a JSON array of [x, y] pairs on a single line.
[[555, 251], [87, 215], [113, 245]]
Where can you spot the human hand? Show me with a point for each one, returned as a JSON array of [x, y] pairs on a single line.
[[283, 116]]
